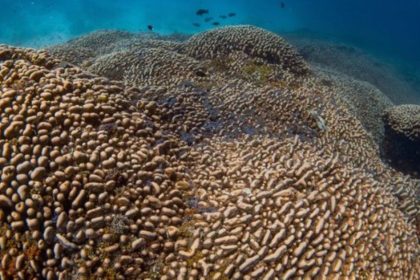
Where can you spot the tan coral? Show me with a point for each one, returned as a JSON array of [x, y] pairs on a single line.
[[402, 138], [249, 39], [86, 163], [404, 120], [246, 170]]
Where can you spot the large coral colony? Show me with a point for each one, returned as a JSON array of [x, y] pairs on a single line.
[[219, 156]]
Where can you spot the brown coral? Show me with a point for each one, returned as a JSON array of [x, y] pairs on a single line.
[[239, 92], [365, 101], [66, 179], [251, 40], [230, 173], [81, 50], [280, 213], [146, 66], [402, 137], [404, 120]]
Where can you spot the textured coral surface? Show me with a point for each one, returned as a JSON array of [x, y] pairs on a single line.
[[402, 137], [224, 156]]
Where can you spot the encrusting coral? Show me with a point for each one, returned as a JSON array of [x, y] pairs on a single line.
[[192, 167]]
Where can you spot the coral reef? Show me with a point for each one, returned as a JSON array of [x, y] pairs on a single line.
[[365, 102], [83, 173], [251, 40], [226, 161], [402, 141], [81, 50], [146, 66], [404, 120], [356, 63]]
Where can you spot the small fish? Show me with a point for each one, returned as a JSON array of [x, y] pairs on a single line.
[[231, 14], [196, 24], [201, 12], [207, 19], [223, 17], [282, 5], [216, 23], [150, 27]]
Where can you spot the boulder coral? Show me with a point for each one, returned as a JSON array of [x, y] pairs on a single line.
[[365, 102], [229, 91], [253, 41], [402, 137], [404, 120], [236, 169], [87, 180]]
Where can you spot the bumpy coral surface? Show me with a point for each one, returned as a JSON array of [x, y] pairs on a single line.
[[405, 120], [251, 40], [233, 166], [365, 102], [81, 50], [402, 141]]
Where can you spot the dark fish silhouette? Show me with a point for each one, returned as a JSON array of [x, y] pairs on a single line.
[[201, 12], [223, 17], [231, 14], [282, 5], [216, 23], [207, 19], [196, 24], [150, 27]]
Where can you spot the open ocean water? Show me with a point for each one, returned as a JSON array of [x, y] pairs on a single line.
[[209, 139], [388, 28]]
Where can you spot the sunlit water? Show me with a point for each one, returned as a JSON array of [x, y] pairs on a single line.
[[388, 29]]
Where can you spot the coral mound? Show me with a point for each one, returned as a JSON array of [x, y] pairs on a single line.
[[365, 101], [404, 120], [251, 40], [402, 142], [84, 174], [145, 66], [82, 50], [202, 170], [86, 47]]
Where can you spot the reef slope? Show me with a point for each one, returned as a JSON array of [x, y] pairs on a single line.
[[232, 164]]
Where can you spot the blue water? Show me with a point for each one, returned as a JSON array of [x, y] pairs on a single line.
[[387, 28]]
